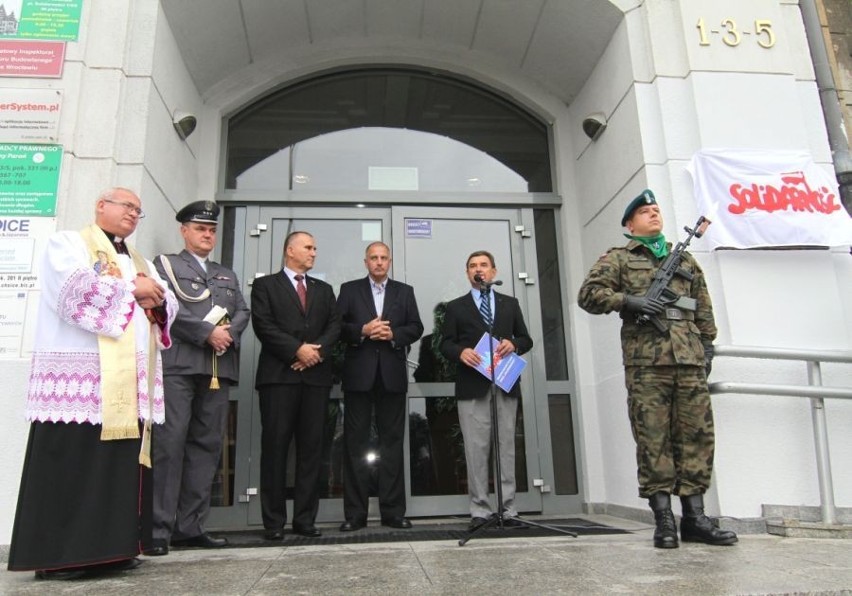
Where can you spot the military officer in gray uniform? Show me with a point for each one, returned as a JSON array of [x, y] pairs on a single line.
[[666, 373], [202, 366]]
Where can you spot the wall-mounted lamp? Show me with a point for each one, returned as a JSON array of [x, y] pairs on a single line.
[[594, 125], [184, 123]]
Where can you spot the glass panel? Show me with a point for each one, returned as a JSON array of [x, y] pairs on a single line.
[[549, 287], [331, 474], [432, 367], [222, 493], [226, 229], [521, 484], [452, 133], [437, 449], [340, 257], [340, 243], [562, 440], [271, 173], [447, 246], [409, 160]]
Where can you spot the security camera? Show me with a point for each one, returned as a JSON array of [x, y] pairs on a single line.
[[184, 123], [594, 125]]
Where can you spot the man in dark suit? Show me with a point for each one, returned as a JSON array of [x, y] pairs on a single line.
[[380, 321], [295, 318], [464, 325], [198, 373]]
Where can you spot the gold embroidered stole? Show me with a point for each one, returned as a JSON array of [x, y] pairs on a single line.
[[119, 390]]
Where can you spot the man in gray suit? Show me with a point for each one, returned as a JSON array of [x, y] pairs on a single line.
[[197, 377]]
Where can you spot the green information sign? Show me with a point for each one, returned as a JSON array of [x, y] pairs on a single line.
[[29, 179], [57, 20]]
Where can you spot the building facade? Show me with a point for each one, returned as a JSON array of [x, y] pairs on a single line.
[[445, 126]]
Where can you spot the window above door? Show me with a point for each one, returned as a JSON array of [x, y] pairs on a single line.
[[387, 129]]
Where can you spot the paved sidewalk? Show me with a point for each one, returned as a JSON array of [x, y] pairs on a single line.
[[602, 564]]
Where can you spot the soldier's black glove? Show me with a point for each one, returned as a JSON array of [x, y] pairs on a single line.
[[644, 305], [709, 352]]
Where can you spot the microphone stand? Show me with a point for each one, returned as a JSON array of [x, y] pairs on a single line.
[[499, 517]]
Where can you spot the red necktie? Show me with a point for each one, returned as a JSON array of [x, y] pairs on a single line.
[[301, 290]]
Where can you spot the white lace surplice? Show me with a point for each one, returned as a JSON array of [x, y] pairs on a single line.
[[77, 304]]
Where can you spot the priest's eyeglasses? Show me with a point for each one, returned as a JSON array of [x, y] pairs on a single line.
[[128, 206]]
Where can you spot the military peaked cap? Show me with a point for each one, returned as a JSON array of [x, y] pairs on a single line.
[[199, 211]]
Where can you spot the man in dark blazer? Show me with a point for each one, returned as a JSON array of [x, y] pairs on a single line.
[[463, 327], [380, 321], [295, 318], [198, 373]]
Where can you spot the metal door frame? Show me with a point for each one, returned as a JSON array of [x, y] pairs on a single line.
[[250, 254], [523, 260]]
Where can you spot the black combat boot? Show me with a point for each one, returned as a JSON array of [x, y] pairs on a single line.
[[665, 535], [697, 527]]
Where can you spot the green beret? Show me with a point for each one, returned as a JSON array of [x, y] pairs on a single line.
[[199, 211], [646, 198]]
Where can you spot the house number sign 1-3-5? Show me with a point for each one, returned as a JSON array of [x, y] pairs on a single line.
[[732, 35]]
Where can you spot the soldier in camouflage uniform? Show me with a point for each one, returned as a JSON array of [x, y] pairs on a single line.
[[665, 373]]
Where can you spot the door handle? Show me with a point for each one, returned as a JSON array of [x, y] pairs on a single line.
[[254, 277]]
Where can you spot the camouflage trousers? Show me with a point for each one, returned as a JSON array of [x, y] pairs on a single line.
[[672, 421]]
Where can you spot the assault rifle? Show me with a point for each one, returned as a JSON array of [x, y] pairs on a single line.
[[659, 289]]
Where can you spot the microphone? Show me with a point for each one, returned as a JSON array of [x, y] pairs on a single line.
[[480, 280]]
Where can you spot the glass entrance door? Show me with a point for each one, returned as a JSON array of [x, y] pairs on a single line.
[[429, 247], [341, 237]]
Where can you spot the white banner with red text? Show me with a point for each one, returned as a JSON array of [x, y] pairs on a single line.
[[762, 198]]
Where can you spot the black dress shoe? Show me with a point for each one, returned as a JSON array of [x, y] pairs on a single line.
[[351, 526], [204, 540], [112, 566], [514, 522], [400, 523], [158, 548], [476, 523], [61, 574], [307, 531], [274, 534]]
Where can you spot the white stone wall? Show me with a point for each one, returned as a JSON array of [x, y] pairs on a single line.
[[122, 80], [681, 97], [664, 98]]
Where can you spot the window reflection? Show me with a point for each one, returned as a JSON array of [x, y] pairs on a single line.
[[437, 449], [562, 433], [331, 472], [272, 173], [550, 294], [382, 159], [222, 490], [432, 367]]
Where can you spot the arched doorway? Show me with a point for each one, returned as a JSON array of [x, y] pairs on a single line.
[[436, 167]]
